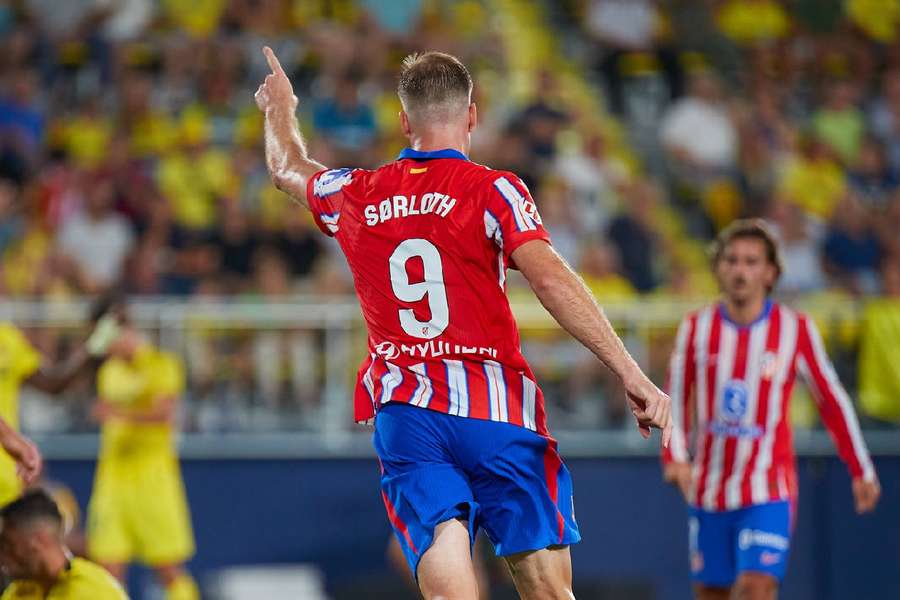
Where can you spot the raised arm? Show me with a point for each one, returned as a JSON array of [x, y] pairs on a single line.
[[53, 379], [286, 157], [565, 296]]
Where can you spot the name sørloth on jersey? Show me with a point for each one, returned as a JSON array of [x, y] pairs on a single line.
[[429, 238]]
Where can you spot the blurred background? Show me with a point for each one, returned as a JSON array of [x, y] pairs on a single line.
[[131, 158]]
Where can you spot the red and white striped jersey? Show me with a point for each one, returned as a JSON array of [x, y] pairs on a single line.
[[731, 384], [428, 239]]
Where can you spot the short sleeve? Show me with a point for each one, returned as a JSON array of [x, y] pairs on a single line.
[[325, 195], [511, 217], [21, 357]]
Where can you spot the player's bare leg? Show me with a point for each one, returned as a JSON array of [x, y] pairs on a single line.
[[117, 570], [543, 574], [179, 585], [705, 592], [445, 570], [755, 586]]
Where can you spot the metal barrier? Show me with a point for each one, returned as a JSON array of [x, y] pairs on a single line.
[[267, 379]]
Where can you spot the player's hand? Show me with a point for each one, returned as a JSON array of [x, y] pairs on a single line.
[[865, 495], [276, 90], [650, 406], [679, 474], [29, 463]]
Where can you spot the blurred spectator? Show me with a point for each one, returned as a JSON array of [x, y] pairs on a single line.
[[22, 122], [839, 123], [879, 377], [96, 239], [813, 179], [698, 131], [634, 236], [624, 24], [749, 22], [11, 222], [600, 268], [871, 179], [237, 243], [344, 119], [884, 117], [852, 249], [801, 239], [878, 19]]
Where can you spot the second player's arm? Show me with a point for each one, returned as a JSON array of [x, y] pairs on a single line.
[[289, 164], [838, 415], [565, 296]]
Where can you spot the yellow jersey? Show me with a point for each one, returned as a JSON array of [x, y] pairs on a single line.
[[18, 361], [82, 580], [150, 376]]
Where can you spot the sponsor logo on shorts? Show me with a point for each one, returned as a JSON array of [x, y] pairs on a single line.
[[754, 537], [768, 559]]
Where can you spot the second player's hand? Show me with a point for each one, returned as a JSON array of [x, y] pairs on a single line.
[[650, 406], [865, 495], [678, 474], [276, 91]]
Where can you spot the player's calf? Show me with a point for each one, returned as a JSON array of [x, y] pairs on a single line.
[[755, 586], [543, 574]]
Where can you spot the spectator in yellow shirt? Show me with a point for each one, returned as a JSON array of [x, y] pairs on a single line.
[[33, 554], [749, 22]]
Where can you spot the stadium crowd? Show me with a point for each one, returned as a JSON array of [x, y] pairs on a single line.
[[130, 148]]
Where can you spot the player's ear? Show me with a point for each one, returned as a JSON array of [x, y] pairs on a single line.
[[404, 123], [473, 116]]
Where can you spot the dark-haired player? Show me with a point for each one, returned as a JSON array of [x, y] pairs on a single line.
[[731, 377], [34, 555]]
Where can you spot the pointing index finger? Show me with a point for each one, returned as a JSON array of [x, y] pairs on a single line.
[[273, 61]]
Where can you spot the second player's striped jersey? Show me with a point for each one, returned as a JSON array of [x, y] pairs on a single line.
[[730, 385], [429, 238]]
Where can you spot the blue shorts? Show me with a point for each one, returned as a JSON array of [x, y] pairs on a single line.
[[502, 478], [725, 544]]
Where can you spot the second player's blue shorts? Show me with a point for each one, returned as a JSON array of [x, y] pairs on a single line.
[[725, 544], [502, 478]]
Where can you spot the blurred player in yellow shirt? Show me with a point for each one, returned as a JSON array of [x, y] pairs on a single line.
[[138, 510], [33, 554], [21, 364]]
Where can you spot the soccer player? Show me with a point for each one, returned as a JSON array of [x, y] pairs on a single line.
[[460, 431], [21, 364], [731, 377], [138, 510], [34, 555]]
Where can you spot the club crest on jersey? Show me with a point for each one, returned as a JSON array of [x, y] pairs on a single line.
[[769, 365], [331, 182], [387, 350], [734, 401]]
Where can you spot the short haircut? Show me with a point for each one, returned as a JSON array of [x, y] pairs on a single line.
[[742, 229], [434, 85], [30, 508]]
